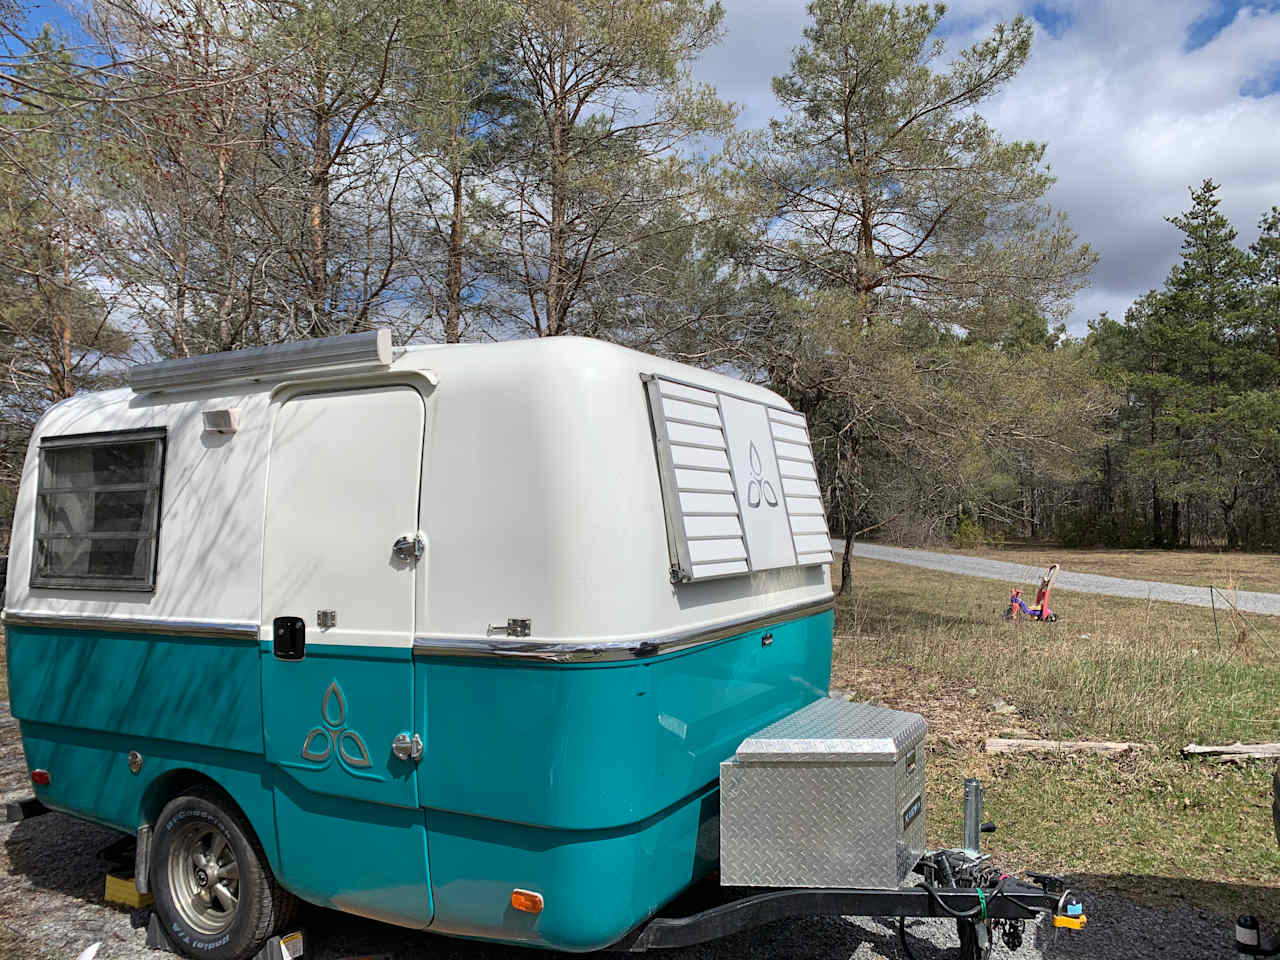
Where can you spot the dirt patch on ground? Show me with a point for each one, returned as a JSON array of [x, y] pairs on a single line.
[[960, 719]]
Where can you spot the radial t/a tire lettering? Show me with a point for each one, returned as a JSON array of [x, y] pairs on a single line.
[[215, 894]]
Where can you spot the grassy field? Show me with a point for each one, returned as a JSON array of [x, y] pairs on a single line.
[[1153, 826], [1230, 571]]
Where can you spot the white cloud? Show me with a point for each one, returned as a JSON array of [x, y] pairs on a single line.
[[1132, 118]]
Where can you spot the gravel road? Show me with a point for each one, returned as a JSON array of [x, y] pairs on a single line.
[[1248, 601]]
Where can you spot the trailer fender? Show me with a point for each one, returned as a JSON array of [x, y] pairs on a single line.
[[172, 783]]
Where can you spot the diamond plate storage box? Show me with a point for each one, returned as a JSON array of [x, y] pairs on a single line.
[[829, 796]]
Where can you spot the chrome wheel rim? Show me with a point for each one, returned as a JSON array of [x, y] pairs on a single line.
[[204, 877]]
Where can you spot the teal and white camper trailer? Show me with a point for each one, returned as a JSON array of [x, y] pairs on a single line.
[[454, 637]]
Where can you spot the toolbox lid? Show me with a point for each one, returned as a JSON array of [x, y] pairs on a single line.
[[835, 730]]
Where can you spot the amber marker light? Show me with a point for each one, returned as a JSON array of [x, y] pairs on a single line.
[[526, 901], [40, 777]]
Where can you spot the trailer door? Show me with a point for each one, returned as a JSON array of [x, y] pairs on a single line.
[[337, 657]]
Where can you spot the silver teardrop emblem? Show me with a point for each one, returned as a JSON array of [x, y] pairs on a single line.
[[333, 700], [360, 759], [311, 752]]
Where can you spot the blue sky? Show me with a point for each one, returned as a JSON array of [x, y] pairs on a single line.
[[39, 14], [1137, 101]]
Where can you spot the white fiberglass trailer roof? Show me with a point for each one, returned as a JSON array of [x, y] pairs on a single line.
[[542, 492]]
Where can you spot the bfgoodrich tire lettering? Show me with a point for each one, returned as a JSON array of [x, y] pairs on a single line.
[[214, 892]]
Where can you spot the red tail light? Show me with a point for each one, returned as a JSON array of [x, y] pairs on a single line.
[[40, 777]]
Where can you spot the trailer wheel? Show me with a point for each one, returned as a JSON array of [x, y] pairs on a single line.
[[213, 889]]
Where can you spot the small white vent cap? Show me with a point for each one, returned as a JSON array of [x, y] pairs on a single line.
[[222, 421]]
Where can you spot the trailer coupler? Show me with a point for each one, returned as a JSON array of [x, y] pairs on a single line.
[[1007, 899]]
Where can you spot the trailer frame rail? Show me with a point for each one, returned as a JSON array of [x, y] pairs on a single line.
[[1013, 899]]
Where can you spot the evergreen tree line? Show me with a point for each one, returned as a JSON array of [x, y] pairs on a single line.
[[1186, 452], [1192, 456], [207, 175]]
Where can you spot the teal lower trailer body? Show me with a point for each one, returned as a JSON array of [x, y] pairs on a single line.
[[591, 784]]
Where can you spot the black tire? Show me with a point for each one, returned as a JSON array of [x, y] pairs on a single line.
[[214, 892]]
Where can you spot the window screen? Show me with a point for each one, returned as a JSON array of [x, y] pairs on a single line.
[[739, 485], [98, 511]]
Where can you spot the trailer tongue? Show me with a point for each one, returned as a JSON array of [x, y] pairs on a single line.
[[822, 813], [984, 903]]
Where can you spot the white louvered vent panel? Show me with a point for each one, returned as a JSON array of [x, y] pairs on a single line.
[[739, 482], [703, 479], [709, 504], [683, 411], [702, 571], [698, 457], [804, 506], [800, 484], [705, 437], [808, 524], [698, 527]]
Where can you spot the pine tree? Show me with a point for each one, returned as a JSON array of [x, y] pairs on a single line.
[[1266, 285], [893, 214], [606, 108], [1202, 375], [58, 328]]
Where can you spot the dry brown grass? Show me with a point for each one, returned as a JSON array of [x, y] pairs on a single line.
[[1238, 571], [1109, 668], [1153, 827]]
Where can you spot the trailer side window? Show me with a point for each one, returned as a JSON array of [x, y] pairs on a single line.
[[98, 511]]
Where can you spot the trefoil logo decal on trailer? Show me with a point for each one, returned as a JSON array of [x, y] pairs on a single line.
[[759, 488], [332, 739]]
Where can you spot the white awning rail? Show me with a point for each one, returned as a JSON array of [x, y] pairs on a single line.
[[343, 354]]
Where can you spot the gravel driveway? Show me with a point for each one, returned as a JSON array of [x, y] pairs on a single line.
[[51, 889], [1245, 600], [51, 907]]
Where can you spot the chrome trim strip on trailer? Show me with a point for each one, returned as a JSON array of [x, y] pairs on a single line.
[[606, 650], [192, 628]]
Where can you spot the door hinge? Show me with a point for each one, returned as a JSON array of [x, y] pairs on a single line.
[[406, 747], [515, 627]]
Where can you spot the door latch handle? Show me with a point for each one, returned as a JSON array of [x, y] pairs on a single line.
[[406, 747], [289, 638], [409, 549]]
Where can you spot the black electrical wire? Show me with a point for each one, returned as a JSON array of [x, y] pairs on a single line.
[[962, 914]]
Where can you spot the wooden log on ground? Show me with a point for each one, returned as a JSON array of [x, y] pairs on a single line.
[[1249, 751], [1103, 747]]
